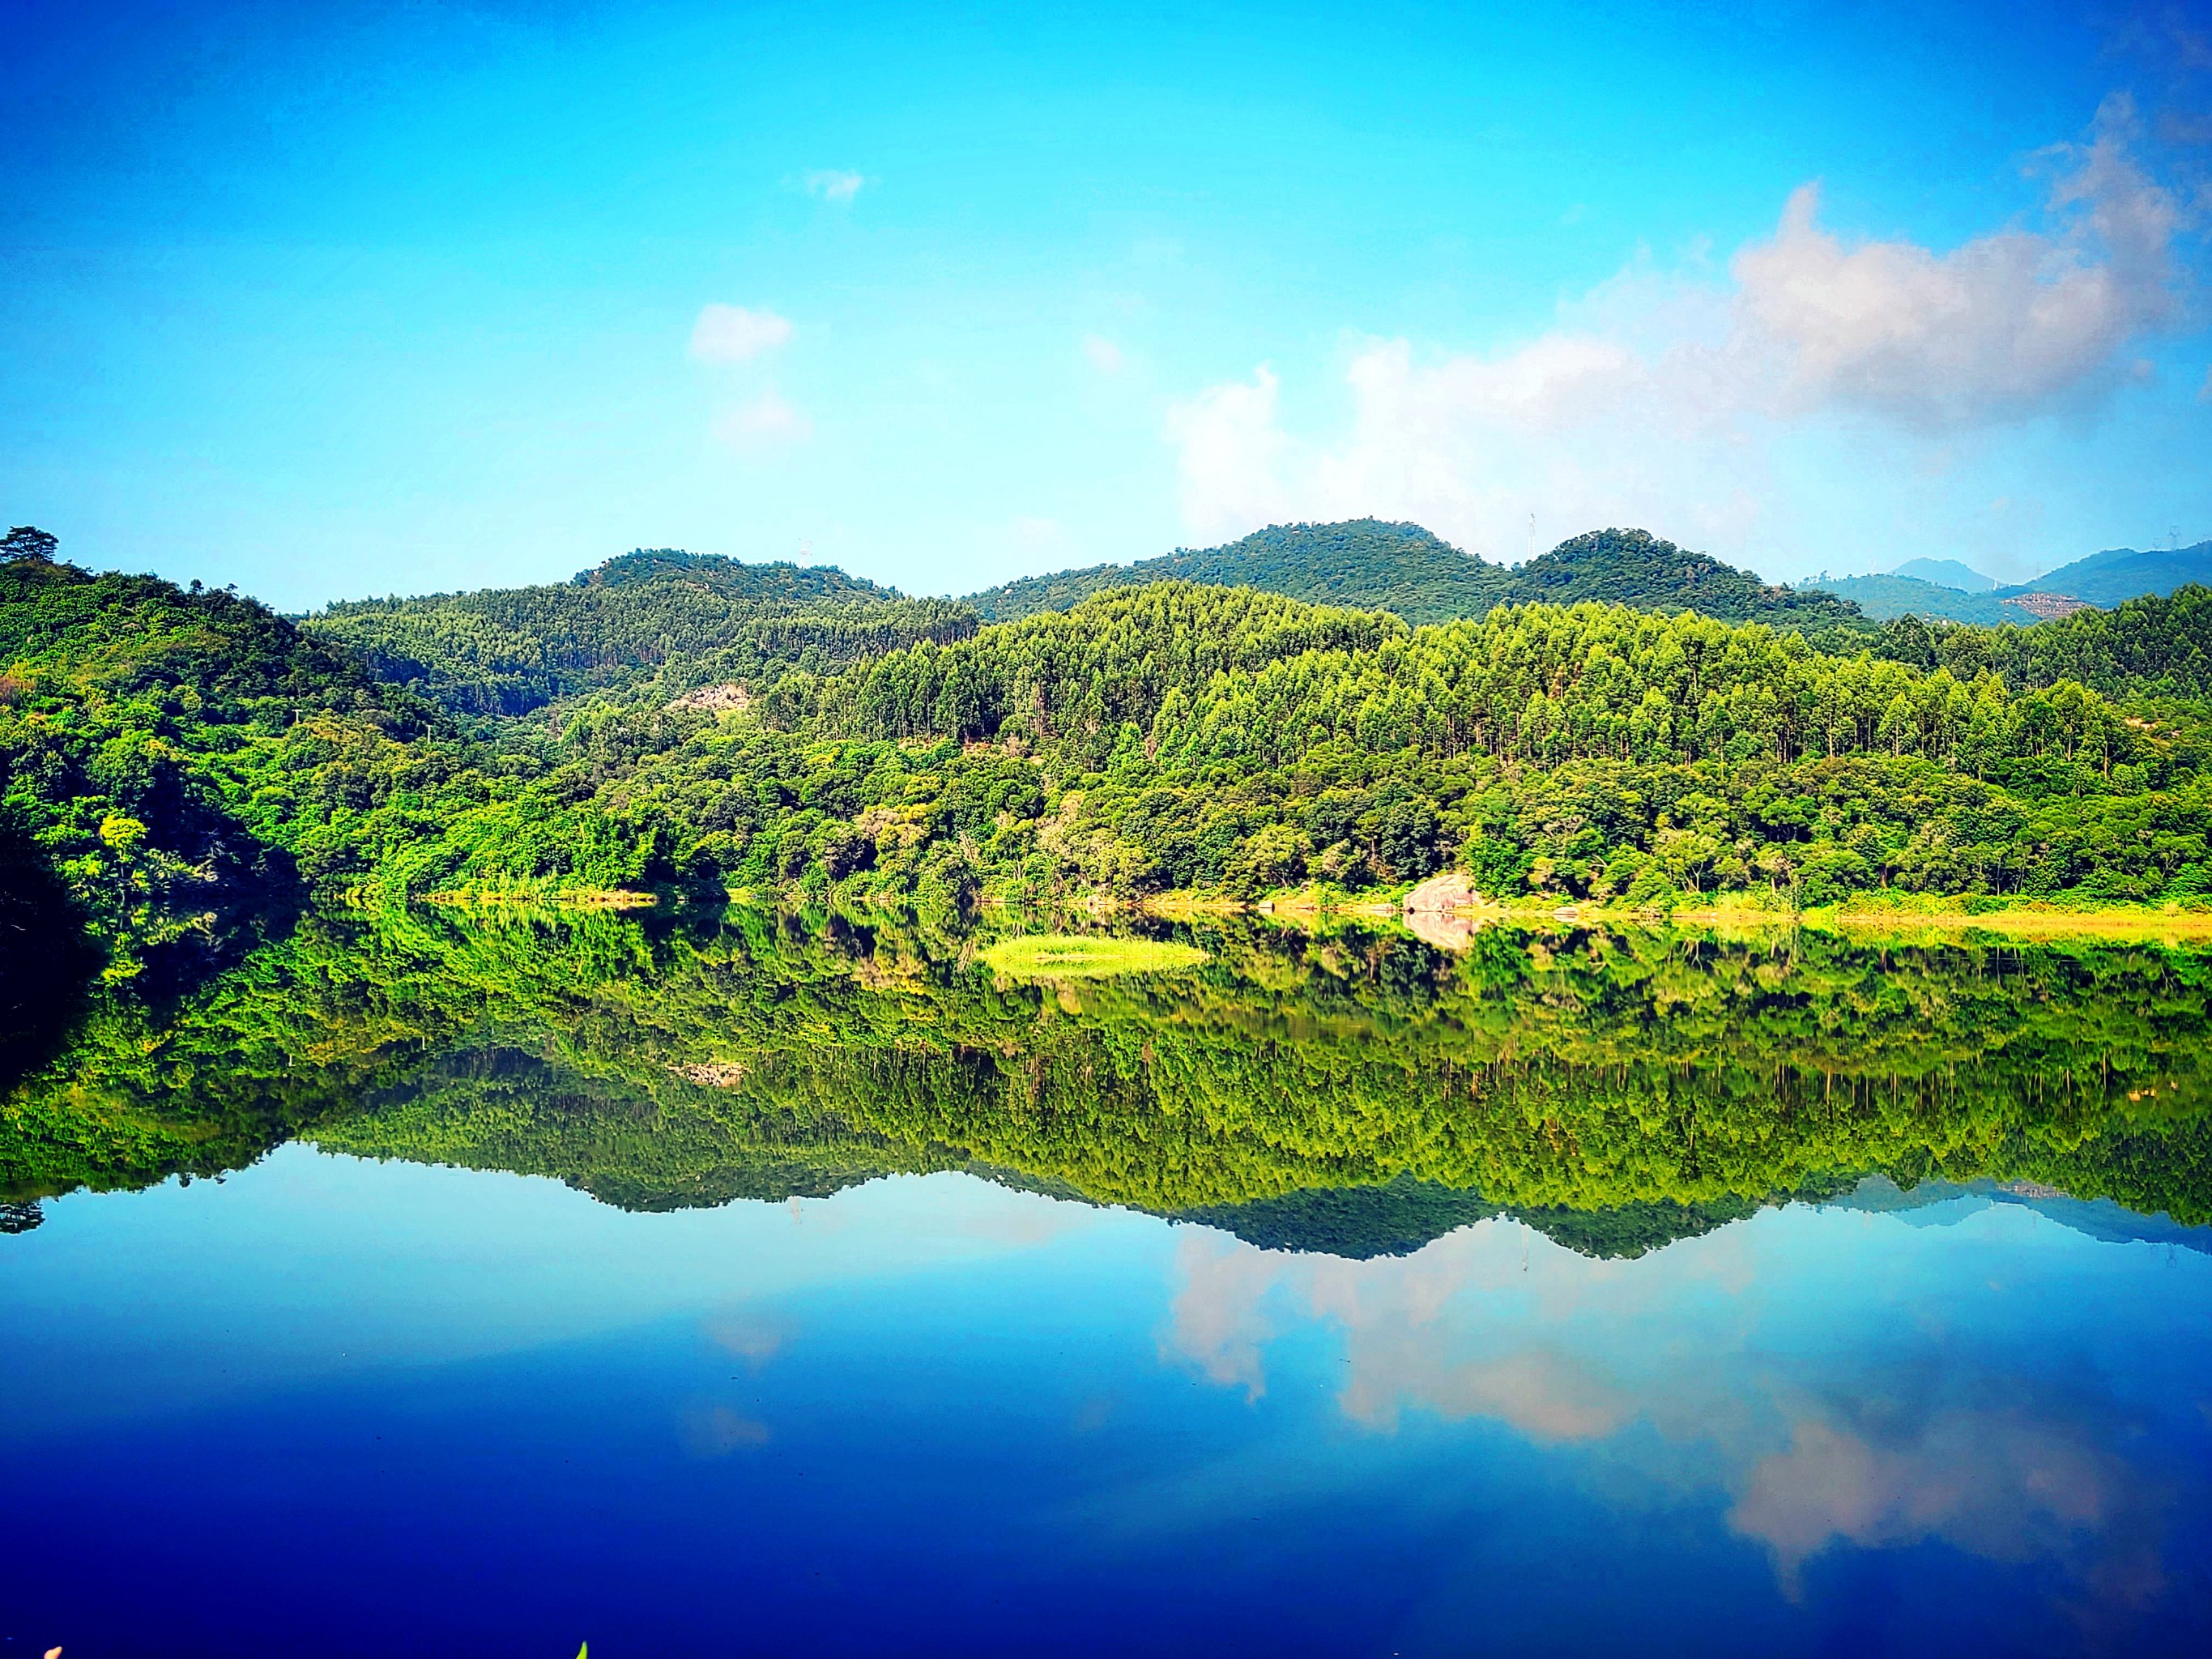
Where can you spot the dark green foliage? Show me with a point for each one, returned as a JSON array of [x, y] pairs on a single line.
[[46, 963], [172, 756], [778, 582], [1364, 563], [1357, 1223], [1635, 567], [661, 622], [1403, 569], [28, 541]]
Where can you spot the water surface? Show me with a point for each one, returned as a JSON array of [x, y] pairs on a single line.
[[773, 1285]]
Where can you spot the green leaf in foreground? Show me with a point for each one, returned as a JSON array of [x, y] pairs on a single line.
[[1067, 955]]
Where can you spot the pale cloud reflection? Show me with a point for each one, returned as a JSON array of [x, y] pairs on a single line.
[[1218, 1322], [1690, 1347], [716, 1432], [752, 1335], [2001, 1485]]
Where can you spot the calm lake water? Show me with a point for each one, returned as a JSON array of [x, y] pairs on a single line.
[[768, 1286]]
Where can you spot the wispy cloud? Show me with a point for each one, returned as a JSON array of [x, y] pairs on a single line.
[[766, 421], [1103, 355], [2002, 327], [832, 184], [734, 334]]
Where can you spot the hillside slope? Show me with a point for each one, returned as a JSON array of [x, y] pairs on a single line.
[[1636, 569], [683, 619], [1884, 597], [1947, 572], [173, 757], [1400, 567], [2121, 573]]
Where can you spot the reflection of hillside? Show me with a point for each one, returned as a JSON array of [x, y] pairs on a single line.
[[1353, 1094], [1403, 1214]]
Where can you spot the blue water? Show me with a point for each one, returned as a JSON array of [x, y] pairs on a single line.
[[330, 1406]]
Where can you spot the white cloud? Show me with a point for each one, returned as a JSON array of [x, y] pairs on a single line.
[[2204, 391], [2000, 327], [768, 419], [830, 184], [733, 334], [1672, 401], [1105, 357], [1231, 446]]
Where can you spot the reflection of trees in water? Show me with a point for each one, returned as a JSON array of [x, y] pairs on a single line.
[[1619, 1092]]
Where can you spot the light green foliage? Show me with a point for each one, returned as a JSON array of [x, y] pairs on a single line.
[[2159, 647], [1067, 955]]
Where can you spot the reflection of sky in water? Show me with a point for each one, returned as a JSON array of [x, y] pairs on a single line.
[[933, 1415]]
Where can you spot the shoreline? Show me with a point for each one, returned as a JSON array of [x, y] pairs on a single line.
[[575, 898], [1472, 913]]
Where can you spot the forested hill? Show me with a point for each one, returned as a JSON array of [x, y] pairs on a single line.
[[778, 582], [1364, 563], [676, 620], [172, 756], [1404, 568], [1635, 567]]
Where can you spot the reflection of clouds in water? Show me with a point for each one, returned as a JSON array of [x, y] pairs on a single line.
[[1810, 1444], [754, 1335], [1548, 1395], [716, 1432], [1999, 1484], [1218, 1322], [1032, 1221]]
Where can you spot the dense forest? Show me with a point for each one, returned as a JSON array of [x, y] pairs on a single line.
[[171, 759], [1614, 1089]]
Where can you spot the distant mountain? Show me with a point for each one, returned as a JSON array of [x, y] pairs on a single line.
[[1404, 568], [2106, 579], [1364, 564], [1947, 572], [657, 618], [1884, 597]]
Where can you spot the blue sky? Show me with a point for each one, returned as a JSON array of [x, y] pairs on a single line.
[[338, 300]]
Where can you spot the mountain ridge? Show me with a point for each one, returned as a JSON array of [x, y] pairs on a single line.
[[1402, 568], [2118, 574]]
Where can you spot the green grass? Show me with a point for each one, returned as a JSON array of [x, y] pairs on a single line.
[[1066, 955]]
